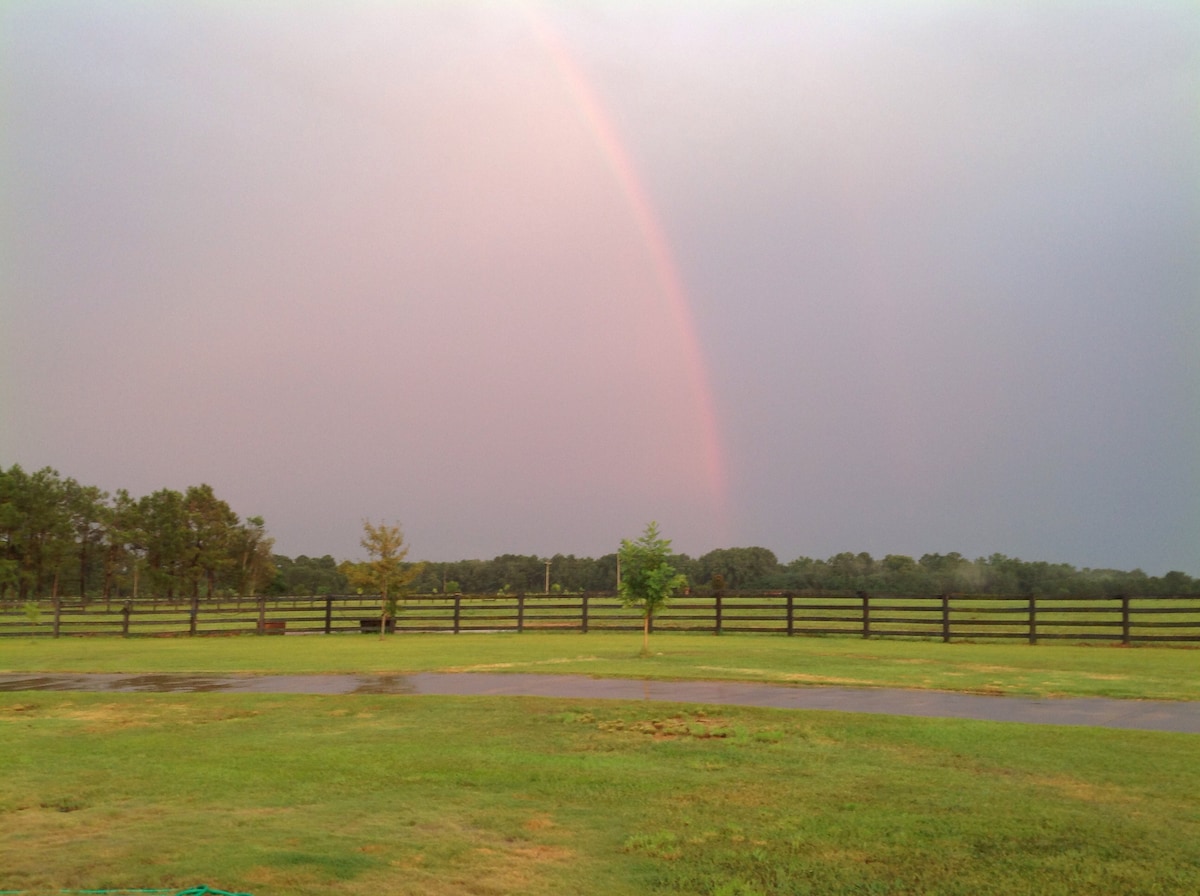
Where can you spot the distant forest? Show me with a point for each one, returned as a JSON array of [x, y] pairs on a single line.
[[58, 537], [758, 569]]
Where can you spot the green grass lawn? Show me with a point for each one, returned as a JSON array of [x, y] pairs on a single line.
[[296, 795], [355, 795], [1005, 668]]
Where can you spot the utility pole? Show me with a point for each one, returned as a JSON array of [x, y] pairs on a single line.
[[547, 562]]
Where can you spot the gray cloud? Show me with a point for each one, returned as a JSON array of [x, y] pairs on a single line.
[[373, 261]]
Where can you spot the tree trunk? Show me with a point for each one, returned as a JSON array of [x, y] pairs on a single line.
[[83, 571], [646, 635], [57, 605], [383, 613]]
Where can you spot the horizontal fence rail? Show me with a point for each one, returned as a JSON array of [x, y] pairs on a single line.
[[957, 617]]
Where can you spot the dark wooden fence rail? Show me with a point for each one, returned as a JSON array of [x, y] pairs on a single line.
[[958, 617]]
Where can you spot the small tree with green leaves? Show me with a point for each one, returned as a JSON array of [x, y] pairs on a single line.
[[386, 572], [648, 580]]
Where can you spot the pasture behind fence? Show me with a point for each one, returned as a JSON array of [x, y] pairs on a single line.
[[1125, 619]]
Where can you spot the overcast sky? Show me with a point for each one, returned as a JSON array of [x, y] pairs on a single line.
[[898, 277]]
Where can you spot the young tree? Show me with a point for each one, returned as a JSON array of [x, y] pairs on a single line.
[[386, 571], [648, 580]]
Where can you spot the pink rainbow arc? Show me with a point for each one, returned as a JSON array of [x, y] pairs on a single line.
[[654, 239]]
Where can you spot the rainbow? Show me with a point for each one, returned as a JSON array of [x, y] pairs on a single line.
[[653, 238]]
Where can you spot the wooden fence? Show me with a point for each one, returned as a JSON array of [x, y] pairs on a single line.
[[1124, 620]]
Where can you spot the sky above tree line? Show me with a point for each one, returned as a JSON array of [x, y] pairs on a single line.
[[824, 276]]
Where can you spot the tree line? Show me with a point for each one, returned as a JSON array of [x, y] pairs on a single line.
[[58, 536], [757, 569]]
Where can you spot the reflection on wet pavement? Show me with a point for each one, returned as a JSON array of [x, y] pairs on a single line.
[[384, 684], [1153, 715]]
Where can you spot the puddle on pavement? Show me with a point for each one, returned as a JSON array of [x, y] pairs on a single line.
[[1093, 711], [199, 684]]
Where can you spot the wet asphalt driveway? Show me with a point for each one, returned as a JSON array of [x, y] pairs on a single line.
[[1149, 715]]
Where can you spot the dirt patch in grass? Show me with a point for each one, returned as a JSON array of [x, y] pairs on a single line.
[[830, 679], [1088, 792], [110, 717], [769, 675], [107, 717], [264, 878], [552, 661], [538, 823], [18, 709], [483, 667], [539, 852], [696, 726]]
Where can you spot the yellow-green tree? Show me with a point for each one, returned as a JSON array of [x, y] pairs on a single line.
[[648, 580], [386, 572]]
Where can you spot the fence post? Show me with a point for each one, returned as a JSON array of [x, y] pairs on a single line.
[[57, 601], [521, 612], [791, 615], [717, 619], [945, 618], [126, 611], [866, 613], [457, 613], [262, 614], [328, 614], [583, 617], [195, 611], [1125, 619], [1032, 619]]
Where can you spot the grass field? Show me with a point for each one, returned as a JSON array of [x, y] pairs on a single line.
[[1005, 668], [369, 795], [298, 795]]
